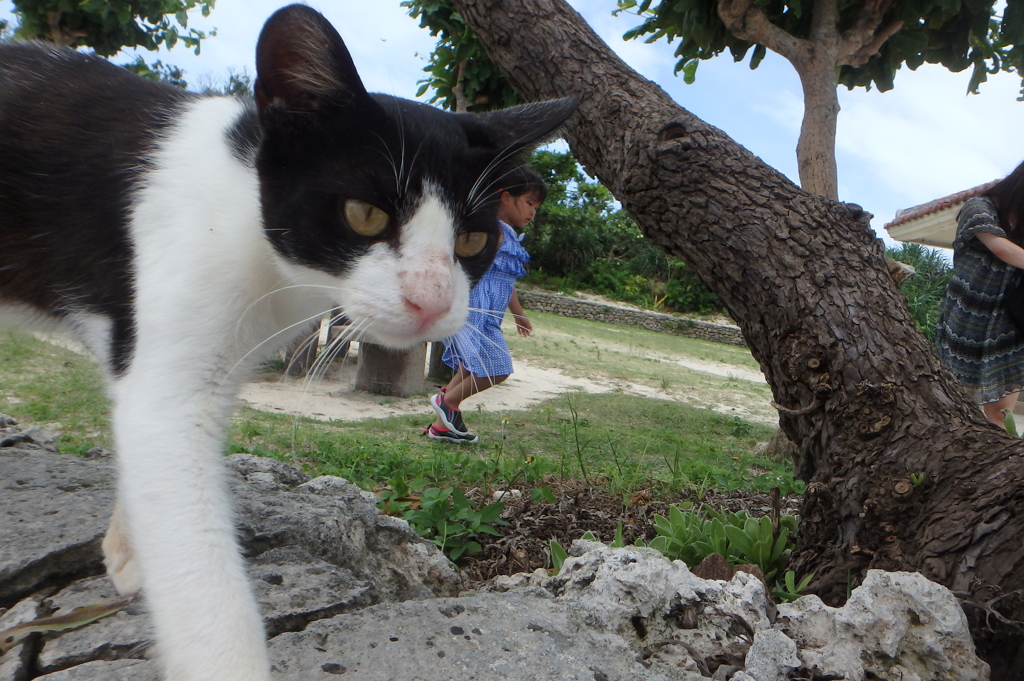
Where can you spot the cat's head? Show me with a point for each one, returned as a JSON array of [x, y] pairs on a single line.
[[391, 202]]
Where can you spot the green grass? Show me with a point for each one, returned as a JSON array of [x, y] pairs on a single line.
[[618, 353], [619, 442], [42, 384]]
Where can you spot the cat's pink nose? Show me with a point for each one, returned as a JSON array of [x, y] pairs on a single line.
[[426, 311], [427, 293]]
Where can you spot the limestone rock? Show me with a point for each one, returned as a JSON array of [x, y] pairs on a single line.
[[771, 656], [338, 523], [293, 589], [118, 670], [15, 663], [328, 570], [54, 510], [125, 634], [525, 635], [896, 625]]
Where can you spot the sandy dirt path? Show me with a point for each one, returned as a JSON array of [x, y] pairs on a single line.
[[333, 397]]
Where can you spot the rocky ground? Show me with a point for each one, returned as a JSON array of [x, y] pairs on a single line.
[[345, 590]]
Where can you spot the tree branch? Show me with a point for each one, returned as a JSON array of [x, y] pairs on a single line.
[[749, 22], [850, 55], [866, 37]]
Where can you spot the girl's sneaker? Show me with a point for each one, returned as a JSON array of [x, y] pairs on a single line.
[[451, 418], [444, 435]]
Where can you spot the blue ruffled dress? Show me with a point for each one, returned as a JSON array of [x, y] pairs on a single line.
[[480, 345]]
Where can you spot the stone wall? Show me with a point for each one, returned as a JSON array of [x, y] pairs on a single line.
[[569, 306]]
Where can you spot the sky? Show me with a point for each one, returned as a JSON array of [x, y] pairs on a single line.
[[924, 139]]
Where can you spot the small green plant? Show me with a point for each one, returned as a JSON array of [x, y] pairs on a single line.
[[788, 589], [691, 536], [395, 499], [542, 495], [741, 428], [917, 479], [619, 541], [785, 481], [558, 556], [755, 541], [1009, 423], [450, 520]]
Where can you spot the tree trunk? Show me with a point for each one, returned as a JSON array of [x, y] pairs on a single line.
[[816, 148], [903, 472]]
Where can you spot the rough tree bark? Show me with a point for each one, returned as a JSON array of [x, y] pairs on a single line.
[[903, 472]]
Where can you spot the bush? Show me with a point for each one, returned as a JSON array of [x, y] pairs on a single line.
[[581, 239], [926, 289]]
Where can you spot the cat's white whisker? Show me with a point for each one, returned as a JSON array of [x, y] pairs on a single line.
[[301, 349], [474, 198], [385, 151], [261, 344], [275, 291]]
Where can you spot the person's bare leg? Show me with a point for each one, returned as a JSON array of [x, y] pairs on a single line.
[[458, 377], [994, 410], [470, 385], [467, 385]]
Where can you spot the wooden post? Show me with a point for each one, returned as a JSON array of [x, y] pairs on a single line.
[[388, 372], [437, 370]]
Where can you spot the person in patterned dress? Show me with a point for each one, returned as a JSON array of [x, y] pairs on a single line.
[[478, 353], [976, 338]]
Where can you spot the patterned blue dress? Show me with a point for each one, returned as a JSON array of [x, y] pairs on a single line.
[[976, 338], [480, 346]]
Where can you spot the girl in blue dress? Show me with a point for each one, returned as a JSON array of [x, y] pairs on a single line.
[[478, 353]]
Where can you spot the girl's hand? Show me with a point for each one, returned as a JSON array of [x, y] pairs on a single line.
[[523, 325]]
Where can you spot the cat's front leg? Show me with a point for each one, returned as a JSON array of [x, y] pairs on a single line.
[[118, 556], [174, 501]]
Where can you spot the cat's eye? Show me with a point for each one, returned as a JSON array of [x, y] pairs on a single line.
[[364, 218], [469, 244]]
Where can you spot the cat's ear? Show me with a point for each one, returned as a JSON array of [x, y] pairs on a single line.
[[302, 64], [520, 128]]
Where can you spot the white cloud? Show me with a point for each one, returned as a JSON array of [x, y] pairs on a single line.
[[926, 139]]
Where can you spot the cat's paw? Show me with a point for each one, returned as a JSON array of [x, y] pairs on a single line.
[[119, 559]]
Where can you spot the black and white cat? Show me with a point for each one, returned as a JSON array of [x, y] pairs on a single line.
[[177, 234]]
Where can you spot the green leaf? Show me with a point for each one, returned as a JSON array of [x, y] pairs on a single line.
[[539, 494], [558, 555], [690, 71], [740, 540], [491, 512], [1010, 423]]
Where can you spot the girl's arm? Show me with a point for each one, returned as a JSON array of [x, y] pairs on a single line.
[[523, 325], [1003, 248]]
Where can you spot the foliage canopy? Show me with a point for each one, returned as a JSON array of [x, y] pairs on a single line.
[[107, 26], [459, 71], [954, 33]]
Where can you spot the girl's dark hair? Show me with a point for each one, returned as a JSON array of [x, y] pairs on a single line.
[[521, 181], [1008, 195]]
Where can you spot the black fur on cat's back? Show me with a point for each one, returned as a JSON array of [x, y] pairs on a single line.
[[74, 130]]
